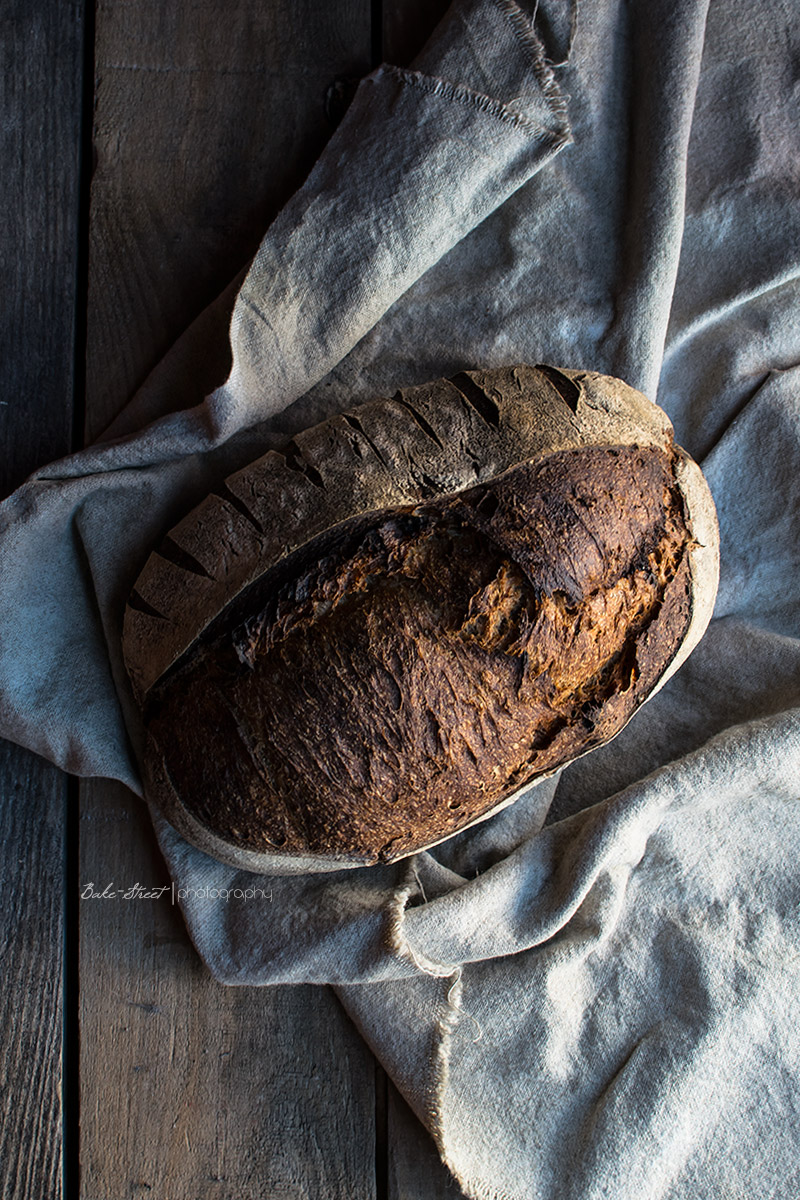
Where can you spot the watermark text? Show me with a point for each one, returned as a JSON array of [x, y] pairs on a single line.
[[172, 892]]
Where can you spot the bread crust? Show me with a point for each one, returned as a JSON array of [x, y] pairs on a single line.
[[440, 439]]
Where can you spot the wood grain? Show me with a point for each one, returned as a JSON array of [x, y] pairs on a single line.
[[207, 117], [190, 1088], [32, 813], [41, 56], [41, 62]]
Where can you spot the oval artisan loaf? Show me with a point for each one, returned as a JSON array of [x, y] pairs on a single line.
[[368, 642]]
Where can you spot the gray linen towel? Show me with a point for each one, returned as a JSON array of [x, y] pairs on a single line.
[[593, 994]]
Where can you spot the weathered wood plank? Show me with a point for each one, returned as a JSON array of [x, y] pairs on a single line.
[[190, 1088], [41, 55], [32, 815], [207, 117], [41, 60]]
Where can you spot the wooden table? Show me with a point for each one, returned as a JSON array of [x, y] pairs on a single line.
[[146, 146]]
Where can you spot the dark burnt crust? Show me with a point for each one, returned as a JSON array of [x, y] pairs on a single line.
[[419, 670]]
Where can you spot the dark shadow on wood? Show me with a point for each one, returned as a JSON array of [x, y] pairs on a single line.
[[407, 27], [71, 1086], [381, 1133], [42, 65]]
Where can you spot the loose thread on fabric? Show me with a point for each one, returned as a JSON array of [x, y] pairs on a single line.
[[419, 882], [400, 945], [459, 1008]]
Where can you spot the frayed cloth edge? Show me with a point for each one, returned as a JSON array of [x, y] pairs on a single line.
[[526, 37]]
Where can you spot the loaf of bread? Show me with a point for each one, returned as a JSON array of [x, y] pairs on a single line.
[[362, 645]]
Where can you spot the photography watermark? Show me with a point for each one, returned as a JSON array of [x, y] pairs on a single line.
[[172, 892]]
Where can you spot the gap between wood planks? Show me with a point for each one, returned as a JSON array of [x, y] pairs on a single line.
[[70, 1163]]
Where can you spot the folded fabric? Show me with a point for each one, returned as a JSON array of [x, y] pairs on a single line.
[[592, 993]]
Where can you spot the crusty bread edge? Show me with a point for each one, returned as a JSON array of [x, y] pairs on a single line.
[[162, 795], [703, 557]]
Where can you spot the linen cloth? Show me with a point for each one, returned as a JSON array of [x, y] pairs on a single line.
[[594, 993]]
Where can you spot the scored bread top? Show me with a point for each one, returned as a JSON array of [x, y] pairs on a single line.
[[436, 439]]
